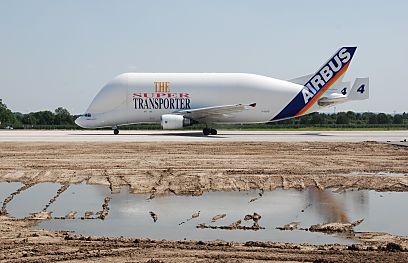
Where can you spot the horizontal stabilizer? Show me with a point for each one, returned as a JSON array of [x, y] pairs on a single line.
[[331, 99], [360, 89]]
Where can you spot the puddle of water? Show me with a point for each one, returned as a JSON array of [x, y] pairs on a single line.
[[79, 198], [6, 189], [129, 216], [384, 212], [129, 213], [380, 173], [32, 200]]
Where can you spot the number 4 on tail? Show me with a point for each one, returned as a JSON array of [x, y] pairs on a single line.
[[361, 89]]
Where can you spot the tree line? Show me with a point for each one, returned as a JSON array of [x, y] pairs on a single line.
[[61, 118], [348, 118]]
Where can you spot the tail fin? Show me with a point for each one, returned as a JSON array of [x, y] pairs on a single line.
[[318, 83], [360, 89]]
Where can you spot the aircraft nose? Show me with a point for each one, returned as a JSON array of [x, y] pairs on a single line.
[[80, 121]]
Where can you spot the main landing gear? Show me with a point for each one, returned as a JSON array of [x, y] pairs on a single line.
[[208, 131], [115, 130]]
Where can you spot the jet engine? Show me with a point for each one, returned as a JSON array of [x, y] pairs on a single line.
[[173, 121]]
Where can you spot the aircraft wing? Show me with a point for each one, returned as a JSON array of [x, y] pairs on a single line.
[[214, 112]]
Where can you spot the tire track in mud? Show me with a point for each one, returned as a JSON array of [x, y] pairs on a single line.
[[108, 178], [62, 189], [194, 168], [43, 214], [190, 168], [8, 199], [162, 184], [105, 209], [69, 246]]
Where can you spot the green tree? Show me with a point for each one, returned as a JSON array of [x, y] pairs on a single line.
[[342, 118], [397, 119], [305, 119], [318, 118], [331, 118], [6, 116], [383, 118], [372, 119], [352, 116], [63, 117], [29, 119], [44, 117]]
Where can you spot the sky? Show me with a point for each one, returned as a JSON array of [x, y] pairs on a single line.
[[61, 53]]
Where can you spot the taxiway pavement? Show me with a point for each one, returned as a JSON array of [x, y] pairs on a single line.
[[197, 136]]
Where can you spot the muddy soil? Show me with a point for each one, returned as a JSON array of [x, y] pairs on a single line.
[[20, 243], [191, 169]]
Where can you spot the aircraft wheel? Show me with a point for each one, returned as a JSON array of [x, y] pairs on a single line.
[[213, 132], [206, 131], [116, 131]]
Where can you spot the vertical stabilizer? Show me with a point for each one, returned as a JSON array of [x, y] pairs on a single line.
[[318, 83]]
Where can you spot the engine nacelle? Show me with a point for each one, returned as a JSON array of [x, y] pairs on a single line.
[[173, 121]]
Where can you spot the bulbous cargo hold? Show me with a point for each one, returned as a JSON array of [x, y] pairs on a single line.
[[178, 99]]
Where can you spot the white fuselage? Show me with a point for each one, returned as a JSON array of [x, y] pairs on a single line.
[[144, 97], [179, 99]]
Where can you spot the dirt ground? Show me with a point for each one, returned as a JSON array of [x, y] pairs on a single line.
[[191, 169]]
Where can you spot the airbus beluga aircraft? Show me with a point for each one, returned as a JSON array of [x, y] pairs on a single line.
[[177, 100]]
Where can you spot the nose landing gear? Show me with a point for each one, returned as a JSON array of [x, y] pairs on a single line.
[[115, 130], [208, 131]]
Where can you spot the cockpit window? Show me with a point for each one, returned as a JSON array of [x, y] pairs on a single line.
[[87, 115]]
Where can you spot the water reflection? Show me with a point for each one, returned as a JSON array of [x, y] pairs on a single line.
[[329, 207], [129, 214]]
